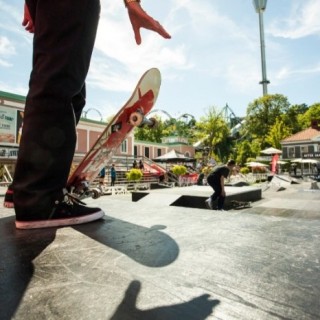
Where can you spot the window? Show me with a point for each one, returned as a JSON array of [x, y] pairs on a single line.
[[124, 146], [146, 152], [304, 149], [158, 152], [291, 153]]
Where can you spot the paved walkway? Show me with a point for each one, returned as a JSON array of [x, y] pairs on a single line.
[[158, 261]]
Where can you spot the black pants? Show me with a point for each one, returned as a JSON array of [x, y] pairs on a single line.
[[216, 186], [62, 46]]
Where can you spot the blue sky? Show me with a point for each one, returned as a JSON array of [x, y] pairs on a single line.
[[213, 58]]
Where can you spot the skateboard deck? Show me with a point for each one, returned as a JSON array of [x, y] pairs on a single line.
[[240, 204], [132, 114]]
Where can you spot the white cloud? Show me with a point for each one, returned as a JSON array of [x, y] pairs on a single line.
[[22, 90], [6, 51], [303, 21], [286, 72], [116, 50]]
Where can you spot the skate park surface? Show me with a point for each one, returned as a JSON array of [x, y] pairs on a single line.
[[149, 259]]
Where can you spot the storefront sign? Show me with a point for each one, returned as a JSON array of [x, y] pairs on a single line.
[[311, 155], [10, 126]]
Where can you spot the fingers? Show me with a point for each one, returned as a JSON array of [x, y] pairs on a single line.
[[28, 26], [140, 19], [156, 27], [137, 36], [162, 31], [24, 22], [27, 20]]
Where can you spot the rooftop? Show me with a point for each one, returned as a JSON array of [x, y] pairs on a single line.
[[307, 134]]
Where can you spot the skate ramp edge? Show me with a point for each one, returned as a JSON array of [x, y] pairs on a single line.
[[155, 199], [192, 201]]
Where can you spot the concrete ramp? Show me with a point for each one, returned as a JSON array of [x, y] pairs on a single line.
[[194, 196], [155, 199], [284, 179]]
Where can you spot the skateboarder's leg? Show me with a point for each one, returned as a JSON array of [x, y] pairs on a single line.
[[78, 103], [221, 200], [217, 191], [63, 42], [217, 195]]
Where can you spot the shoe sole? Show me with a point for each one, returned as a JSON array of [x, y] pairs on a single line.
[[39, 224]]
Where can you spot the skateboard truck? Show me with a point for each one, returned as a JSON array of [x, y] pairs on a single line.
[[138, 119], [82, 190]]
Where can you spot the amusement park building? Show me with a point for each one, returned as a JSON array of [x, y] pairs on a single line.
[[88, 130]]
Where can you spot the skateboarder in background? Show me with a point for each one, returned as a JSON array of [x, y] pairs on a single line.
[[64, 36], [216, 181]]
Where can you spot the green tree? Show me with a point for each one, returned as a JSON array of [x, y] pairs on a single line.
[[313, 113], [291, 117], [244, 152], [262, 114], [277, 132], [214, 132], [179, 127], [154, 134]]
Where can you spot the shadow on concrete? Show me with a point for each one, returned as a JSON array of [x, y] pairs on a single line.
[[147, 246], [18, 249], [196, 309]]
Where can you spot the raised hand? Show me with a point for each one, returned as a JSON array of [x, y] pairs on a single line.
[[27, 20], [140, 19]]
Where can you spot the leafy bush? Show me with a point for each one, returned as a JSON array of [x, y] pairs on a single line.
[[134, 175], [206, 170], [179, 170], [244, 170]]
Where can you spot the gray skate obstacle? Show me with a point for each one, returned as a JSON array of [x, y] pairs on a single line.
[[194, 196]]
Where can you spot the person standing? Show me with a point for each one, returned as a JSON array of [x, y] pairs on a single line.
[[141, 166], [64, 37], [102, 176], [216, 179], [134, 164], [113, 174]]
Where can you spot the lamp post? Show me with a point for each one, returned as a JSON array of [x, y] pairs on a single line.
[[260, 6]]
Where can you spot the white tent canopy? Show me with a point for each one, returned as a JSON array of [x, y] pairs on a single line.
[[300, 160], [271, 150], [173, 156], [256, 164], [281, 162]]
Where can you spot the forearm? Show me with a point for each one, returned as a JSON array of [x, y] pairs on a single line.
[[222, 183], [128, 2]]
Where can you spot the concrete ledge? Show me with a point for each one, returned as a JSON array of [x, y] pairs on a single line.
[[194, 200], [199, 202], [136, 196]]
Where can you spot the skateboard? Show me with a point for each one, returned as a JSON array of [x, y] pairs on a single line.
[[131, 115], [240, 204]]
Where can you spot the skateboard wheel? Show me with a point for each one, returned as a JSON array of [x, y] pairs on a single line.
[[95, 194], [136, 119]]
